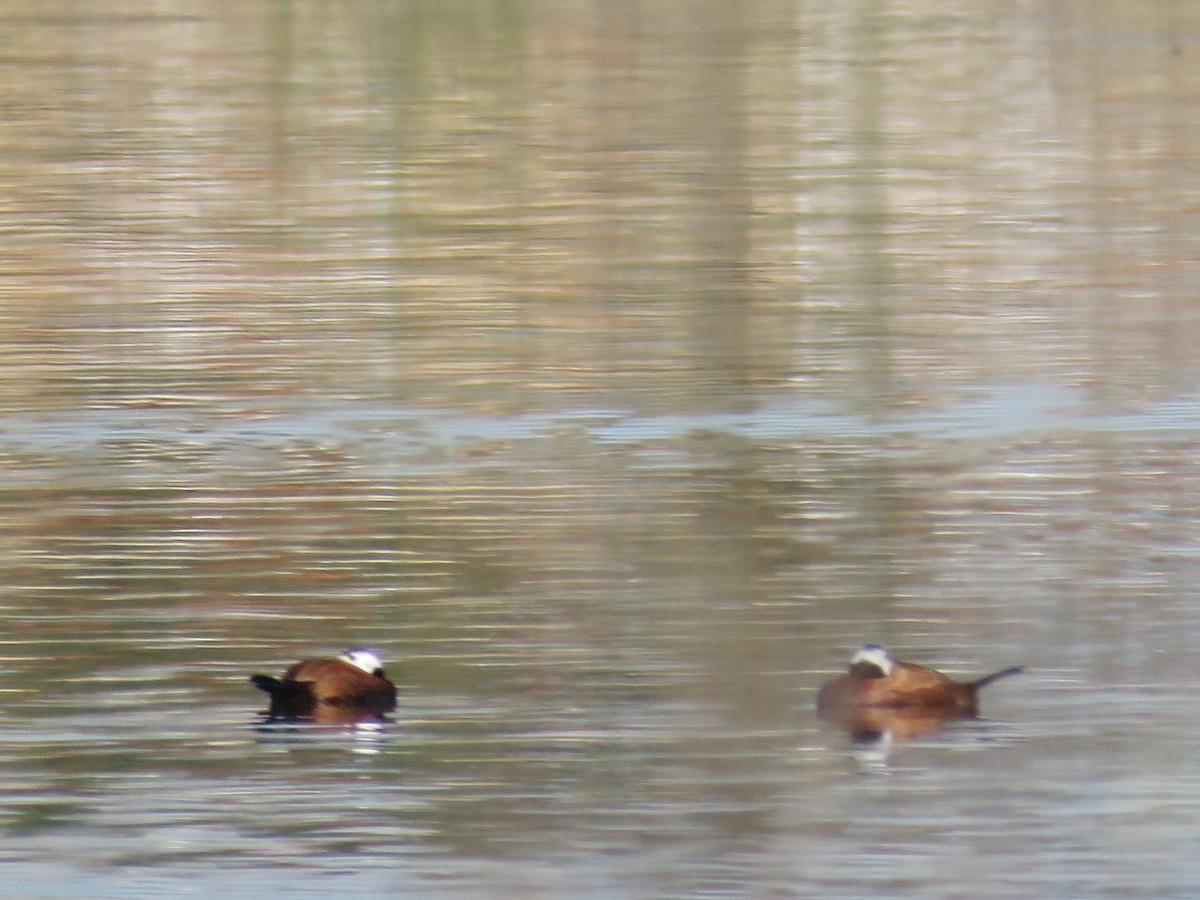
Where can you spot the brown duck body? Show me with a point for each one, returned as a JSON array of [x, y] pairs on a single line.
[[875, 680], [314, 686]]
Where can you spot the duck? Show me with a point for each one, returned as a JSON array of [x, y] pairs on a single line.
[[352, 683], [877, 681]]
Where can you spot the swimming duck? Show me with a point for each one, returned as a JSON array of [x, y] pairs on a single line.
[[354, 683], [876, 680]]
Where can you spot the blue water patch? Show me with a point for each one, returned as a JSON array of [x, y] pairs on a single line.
[[428, 436]]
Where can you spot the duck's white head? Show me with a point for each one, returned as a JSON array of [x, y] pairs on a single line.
[[367, 660], [871, 661]]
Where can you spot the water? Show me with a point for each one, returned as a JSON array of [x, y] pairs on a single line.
[[614, 373]]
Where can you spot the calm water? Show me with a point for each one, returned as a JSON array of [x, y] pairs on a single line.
[[613, 370]]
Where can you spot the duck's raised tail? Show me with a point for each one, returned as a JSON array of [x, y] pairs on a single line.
[[266, 683], [996, 676]]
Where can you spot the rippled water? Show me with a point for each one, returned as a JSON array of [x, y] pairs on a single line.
[[614, 373]]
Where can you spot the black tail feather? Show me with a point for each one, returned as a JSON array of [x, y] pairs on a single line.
[[996, 676], [288, 698], [266, 683]]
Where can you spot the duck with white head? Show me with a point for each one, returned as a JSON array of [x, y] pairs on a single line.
[[352, 683]]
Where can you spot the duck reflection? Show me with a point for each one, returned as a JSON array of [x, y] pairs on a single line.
[[875, 732], [330, 718], [867, 725], [359, 733]]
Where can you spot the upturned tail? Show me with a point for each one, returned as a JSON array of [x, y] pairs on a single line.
[[996, 676], [266, 683]]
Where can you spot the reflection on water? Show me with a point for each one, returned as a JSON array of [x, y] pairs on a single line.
[[612, 373], [870, 723]]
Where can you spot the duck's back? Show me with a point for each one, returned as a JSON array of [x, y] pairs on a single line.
[[338, 683], [906, 685], [316, 683]]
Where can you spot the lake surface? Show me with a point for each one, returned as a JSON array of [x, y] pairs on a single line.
[[614, 371]]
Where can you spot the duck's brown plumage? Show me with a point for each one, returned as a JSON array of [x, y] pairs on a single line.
[[315, 684], [907, 685]]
